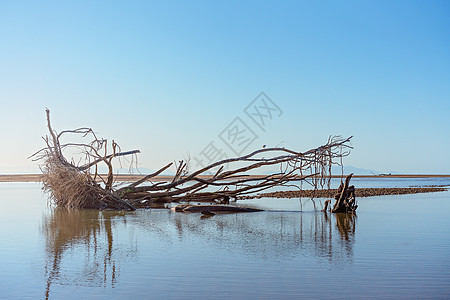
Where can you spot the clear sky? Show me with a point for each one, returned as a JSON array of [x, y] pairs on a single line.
[[170, 77]]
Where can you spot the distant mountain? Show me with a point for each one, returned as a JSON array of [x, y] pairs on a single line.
[[336, 170]]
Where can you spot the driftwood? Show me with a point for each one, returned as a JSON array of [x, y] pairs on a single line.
[[345, 198], [77, 183], [206, 209]]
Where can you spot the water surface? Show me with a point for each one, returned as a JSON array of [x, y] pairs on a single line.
[[396, 247]]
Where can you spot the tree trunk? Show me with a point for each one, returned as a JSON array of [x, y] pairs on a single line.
[[345, 198]]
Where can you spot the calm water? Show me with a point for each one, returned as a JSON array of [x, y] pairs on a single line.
[[397, 247]]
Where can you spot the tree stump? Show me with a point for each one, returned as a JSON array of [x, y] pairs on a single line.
[[345, 198]]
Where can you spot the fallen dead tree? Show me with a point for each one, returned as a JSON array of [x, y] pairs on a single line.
[[78, 184]]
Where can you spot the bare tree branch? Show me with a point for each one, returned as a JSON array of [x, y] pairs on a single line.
[[73, 185]]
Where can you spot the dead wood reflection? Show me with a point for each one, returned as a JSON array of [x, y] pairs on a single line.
[[86, 247], [271, 234], [85, 239], [346, 223]]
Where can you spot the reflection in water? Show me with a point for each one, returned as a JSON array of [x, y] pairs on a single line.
[[346, 225], [82, 245], [274, 234], [85, 238]]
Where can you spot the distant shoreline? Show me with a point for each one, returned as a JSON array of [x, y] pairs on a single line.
[[37, 177], [359, 192]]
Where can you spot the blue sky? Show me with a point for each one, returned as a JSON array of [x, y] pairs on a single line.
[[167, 77]]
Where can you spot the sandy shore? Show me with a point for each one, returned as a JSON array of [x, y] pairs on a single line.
[[37, 177], [360, 192]]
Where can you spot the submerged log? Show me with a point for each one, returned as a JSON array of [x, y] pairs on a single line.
[[212, 208]]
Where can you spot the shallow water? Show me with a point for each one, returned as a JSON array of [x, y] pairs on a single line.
[[397, 247]]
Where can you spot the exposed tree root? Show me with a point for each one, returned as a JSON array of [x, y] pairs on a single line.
[[77, 184]]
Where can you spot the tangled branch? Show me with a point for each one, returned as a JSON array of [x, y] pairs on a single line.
[[79, 184]]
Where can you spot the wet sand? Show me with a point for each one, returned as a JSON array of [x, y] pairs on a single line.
[[359, 192]]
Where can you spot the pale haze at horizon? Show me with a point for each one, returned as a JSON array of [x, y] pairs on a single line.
[[168, 77]]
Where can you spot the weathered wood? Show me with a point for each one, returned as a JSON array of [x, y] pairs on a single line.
[[71, 184], [212, 208], [345, 198], [87, 166], [327, 203]]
